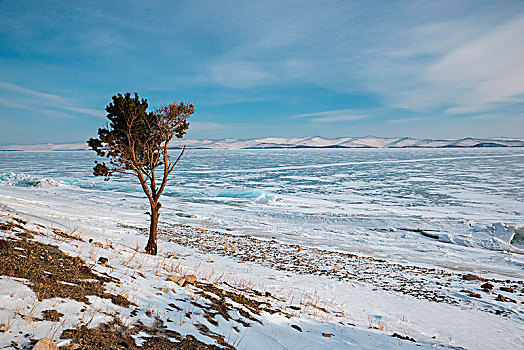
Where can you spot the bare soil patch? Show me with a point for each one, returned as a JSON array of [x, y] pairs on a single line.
[[118, 337], [52, 273]]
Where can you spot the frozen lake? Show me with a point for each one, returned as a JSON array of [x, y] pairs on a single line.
[[372, 201]]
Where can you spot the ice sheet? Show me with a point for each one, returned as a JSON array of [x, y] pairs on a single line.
[[428, 206]]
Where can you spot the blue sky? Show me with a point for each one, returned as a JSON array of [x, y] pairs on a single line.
[[433, 69]]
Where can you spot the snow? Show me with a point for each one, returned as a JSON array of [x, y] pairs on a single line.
[[341, 206], [309, 141], [353, 307]]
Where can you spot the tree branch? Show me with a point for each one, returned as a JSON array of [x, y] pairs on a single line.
[[167, 170]]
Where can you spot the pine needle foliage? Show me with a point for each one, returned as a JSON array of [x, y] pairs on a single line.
[[136, 142]]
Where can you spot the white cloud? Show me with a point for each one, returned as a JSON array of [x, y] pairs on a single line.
[[205, 126], [238, 74], [6, 86], [41, 103], [468, 65], [37, 111], [497, 117], [340, 118], [99, 113], [429, 58], [487, 70], [334, 116], [406, 120]]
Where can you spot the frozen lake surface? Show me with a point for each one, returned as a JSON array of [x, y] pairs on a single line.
[[468, 203]]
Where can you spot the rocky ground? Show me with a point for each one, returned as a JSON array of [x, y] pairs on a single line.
[[59, 289], [52, 273], [436, 285], [87, 292]]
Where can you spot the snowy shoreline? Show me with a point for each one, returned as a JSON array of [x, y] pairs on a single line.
[[356, 302]]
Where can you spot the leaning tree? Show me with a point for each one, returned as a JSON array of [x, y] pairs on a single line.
[[136, 143]]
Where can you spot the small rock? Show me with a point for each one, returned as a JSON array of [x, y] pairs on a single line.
[[297, 327], [487, 286], [327, 335], [471, 294], [181, 281], [508, 289], [403, 337], [54, 250], [470, 277], [190, 279], [45, 344], [501, 297], [102, 260]]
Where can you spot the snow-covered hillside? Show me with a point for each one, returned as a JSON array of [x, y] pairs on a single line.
[[302, 142]]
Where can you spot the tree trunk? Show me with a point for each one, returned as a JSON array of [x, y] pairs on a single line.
[[151, 247]]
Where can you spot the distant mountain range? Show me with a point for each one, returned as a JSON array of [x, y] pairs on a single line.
[[303, 142]]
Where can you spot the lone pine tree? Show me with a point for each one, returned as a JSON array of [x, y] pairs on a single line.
[[136, 143]]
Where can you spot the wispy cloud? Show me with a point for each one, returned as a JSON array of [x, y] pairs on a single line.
[[452, 62], [417, 58], [41, 103], [99, 113], [340, 118], [6, 86], [498, 117], [333, 116], [483, 71], [463, 67], [37, 111], [407, 120], [206, 126], [239, 74]]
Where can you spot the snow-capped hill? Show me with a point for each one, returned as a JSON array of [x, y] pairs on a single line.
[[303, 142]]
